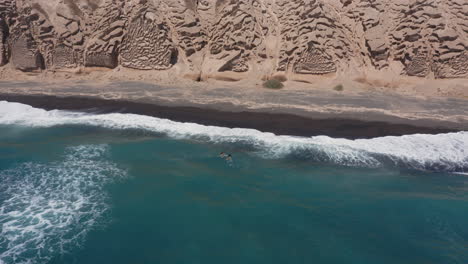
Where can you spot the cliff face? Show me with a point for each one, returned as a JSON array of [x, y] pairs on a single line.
[[235, 39]]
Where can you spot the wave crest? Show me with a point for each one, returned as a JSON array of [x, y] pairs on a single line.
[[443, 152]]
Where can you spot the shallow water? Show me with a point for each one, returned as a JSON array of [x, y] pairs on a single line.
[[120, 188]]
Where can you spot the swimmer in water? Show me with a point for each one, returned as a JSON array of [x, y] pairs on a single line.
[[227, 157]]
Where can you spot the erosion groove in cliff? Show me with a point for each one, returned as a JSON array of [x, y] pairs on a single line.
[[235, 39]]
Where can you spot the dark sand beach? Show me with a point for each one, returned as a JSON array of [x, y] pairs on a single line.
[[281, 124], [299, 114]]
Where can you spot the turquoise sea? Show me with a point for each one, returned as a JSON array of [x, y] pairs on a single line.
[[128, 189]]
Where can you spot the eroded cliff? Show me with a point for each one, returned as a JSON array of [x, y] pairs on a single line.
[[231, 39]]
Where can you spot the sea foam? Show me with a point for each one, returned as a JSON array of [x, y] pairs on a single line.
[[47, 209], [443, 152]]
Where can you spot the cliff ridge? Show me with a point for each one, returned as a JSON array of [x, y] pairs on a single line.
[[234, 40]]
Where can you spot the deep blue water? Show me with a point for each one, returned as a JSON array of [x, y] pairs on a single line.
[[73, 192]]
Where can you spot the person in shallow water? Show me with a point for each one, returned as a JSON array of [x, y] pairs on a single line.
[[227, 157]]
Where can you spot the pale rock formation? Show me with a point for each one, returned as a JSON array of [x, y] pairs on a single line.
[[236, 39], [147, 44], [3, 47]]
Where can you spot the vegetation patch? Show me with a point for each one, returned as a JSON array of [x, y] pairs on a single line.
[[273, 84], [338, 88]]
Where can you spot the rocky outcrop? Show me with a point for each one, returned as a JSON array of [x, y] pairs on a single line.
[[25, 53], [313, 40], [239, 39], [6, 10], [147, 44], [3, 47], [105, 27]]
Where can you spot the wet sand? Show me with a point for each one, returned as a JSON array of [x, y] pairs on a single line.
[[286, 112]]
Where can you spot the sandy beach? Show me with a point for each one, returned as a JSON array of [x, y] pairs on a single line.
[[288, 111]]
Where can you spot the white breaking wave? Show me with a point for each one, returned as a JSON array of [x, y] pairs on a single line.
[[444, 152], [47, 209]]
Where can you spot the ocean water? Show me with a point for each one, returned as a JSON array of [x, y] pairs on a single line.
[[122, 188]]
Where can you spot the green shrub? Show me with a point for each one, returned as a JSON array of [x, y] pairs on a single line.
[[273, 84], [338, 88]]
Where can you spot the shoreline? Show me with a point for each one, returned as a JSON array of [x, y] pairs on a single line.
[[266, 121]]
